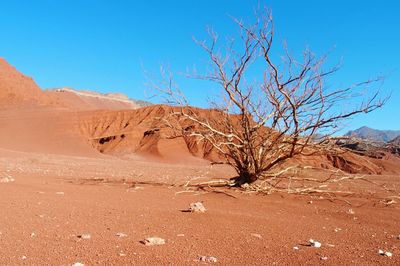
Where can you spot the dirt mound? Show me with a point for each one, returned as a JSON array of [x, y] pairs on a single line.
[[42, 130], [140, 131]]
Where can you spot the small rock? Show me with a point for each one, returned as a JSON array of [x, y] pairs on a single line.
[[338, 229], [85, 236], [208, 259], [314, 243], [310, 202], [78, 264], [33, 234], [245, 186], [121, 234], [350, 211], [388, 254], [398, 237], [153, 241], [385, 253], [257, 235], [324, 258], [24, 257], [296, 248], [197, 207], [60, 193], [180, 235]]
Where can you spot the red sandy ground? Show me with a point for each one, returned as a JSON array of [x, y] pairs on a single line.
[[64, 187], [32, 204]]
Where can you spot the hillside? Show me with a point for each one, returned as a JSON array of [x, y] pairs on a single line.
[[373, 134], [18, 89], [88, 100], [85, 123]]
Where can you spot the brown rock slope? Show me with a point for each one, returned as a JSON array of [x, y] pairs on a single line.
[[17, 89], [140, 131], [143, 131]]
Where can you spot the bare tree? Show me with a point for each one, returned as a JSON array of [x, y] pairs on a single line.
[[261, 124]]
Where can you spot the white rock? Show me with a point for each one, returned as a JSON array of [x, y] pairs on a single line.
[[121, 234], [85, 236], [385, 253], [314, 243], [257, 235], [197, 207], [350, 211], [153, 241], [78, 264], [388, 254], [296, 248], [208, 259]]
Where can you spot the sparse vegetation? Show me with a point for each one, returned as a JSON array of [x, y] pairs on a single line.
[[268, 111]]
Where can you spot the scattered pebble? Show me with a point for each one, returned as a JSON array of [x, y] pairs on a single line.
[[78, 264], [24, 257], [314, 243], [33, 234], [338, 229], [350, 211], [324, 258], [208, 259], [296, 248], [385, 253], [153, 241], [6, 179], [197, 207], [85, 236], [257, 235], [121, 234]]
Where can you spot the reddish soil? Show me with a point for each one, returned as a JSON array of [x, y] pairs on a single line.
[[77, 171]]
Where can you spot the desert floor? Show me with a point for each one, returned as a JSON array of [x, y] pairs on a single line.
[[51, 201]]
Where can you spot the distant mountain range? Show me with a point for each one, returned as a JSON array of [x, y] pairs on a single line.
[[375, 134]]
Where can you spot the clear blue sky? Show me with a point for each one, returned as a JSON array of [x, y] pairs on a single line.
[[102, 45]]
